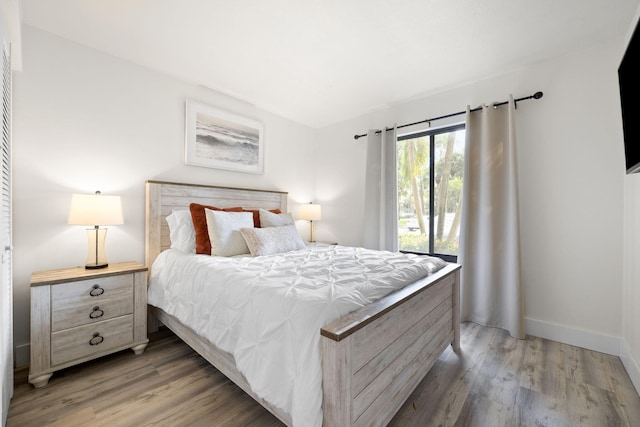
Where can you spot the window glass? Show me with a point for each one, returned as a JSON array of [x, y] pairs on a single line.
[[430, 168]]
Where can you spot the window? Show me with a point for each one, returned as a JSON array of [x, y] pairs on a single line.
[[430, 167]]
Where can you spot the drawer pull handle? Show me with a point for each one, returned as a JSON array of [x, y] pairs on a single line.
[[96, 312], [96, 291], [97, 339]]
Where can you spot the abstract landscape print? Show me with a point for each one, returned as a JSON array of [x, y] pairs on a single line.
[[219, 139]]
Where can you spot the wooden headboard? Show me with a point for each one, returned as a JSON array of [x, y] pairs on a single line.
[[164, 197]]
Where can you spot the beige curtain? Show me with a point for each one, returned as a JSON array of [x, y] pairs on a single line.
[[491, 288], [380, 224]]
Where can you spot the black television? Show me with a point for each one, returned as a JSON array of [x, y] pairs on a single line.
[[629, 81]]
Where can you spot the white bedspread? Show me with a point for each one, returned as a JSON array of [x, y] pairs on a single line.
[[267, 311]]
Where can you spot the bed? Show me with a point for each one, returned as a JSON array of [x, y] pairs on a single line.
[[371, 358]]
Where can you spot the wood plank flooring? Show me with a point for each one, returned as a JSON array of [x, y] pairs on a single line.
[[495, 381]]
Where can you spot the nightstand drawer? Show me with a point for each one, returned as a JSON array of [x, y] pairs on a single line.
[[92, 291], [83, 341], [90, 312]]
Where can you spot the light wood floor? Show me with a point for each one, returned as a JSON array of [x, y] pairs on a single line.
[[495, 381]]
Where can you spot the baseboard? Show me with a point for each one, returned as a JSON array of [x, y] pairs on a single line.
[[573, 336], [630, 363], [22, 356]]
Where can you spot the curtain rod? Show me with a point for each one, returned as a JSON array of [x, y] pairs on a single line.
[[536, 95]]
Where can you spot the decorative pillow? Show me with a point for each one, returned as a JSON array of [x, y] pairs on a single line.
[[269, 219], [181, 231], [272, 240], [256, 215], [224, 231], [199, 219]]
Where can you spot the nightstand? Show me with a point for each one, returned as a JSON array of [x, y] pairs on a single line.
[[79, 315]]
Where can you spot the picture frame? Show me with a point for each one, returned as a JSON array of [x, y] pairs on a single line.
[[219, 139]]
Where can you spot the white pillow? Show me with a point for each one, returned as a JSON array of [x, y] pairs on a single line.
[[272, 240], [270, 219], [224, 231], [181, 232]]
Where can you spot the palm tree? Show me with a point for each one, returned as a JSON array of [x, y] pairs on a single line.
[[412, 162], [443, 185]]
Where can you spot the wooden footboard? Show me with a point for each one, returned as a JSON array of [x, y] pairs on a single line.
[[373, 358]]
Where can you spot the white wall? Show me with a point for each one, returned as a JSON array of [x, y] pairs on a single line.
[[570, 155], [86, 121]]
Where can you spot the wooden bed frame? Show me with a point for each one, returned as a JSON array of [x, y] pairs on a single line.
[[372, 358]]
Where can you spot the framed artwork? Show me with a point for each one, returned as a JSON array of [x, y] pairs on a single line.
[[222, 140]]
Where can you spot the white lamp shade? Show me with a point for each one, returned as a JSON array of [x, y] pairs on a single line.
[[95, 209], [310, 212]]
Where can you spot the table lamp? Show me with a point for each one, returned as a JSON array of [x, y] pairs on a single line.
[[95, 210], [311, 213]]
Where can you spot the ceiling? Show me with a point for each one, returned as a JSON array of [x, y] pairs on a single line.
[[323, 61]]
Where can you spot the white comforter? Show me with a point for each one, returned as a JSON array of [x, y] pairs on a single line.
[[267, 311]]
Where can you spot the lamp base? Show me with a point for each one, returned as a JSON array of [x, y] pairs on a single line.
[[311, 239], [96, 257], [95, 266]]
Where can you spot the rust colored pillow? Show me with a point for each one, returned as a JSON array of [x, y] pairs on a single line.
[[203, 244], [256, 216]]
